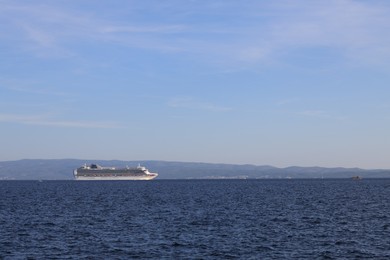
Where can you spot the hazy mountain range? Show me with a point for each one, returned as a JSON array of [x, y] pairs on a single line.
[[62, 169]]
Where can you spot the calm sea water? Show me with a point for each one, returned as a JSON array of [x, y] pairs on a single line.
[[195, 219]]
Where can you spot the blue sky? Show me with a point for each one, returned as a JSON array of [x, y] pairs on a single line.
[[280, 83]]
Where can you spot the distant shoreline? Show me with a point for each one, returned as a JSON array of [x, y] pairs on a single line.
[[62, 169]]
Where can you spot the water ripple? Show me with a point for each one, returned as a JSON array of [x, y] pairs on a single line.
[[228, 219]]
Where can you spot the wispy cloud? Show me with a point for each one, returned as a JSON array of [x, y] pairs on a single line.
[[34, 90], [320, 114], [356, 29], [163, 29], [314, 113], [267, 31], [189, 103], [43, 120], [49, 29], [287, 101]]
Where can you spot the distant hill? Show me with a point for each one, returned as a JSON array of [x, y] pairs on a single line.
[[62, 169]]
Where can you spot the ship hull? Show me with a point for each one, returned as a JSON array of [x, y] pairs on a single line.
[[115, 178]]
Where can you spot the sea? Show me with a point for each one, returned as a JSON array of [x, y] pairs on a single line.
[[195, 219]]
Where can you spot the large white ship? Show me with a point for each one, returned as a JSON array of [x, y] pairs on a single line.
[[97, 172]]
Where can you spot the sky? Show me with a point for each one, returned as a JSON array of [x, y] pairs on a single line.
[[281, 83]]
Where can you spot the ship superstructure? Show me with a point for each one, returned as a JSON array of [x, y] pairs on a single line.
[[97, 172]]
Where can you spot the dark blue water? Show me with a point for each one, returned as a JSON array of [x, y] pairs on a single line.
[[207, 219]]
